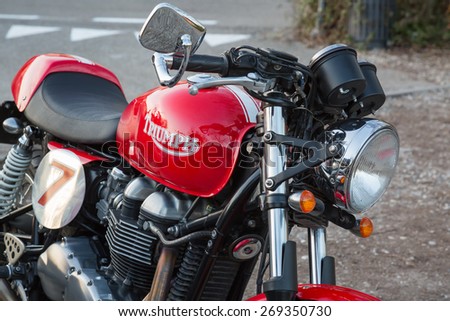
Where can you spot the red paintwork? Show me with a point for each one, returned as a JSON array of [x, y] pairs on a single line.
[[324, 292], [188, 143], [84, 157], [34, 71]]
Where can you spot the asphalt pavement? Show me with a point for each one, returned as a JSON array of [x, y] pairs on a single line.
[[105, 32]]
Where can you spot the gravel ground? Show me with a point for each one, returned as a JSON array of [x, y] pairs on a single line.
[[432, 65]]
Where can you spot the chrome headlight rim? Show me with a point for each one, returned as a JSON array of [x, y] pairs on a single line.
[[354, 136]]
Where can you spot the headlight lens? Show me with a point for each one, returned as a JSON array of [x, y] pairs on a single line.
[[362, 173]]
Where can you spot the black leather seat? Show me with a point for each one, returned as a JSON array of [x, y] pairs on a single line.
[[77, 107]]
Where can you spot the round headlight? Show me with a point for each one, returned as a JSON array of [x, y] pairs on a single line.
[[362, 173]]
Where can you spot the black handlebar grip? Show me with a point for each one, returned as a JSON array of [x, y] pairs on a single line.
[[204, 63]]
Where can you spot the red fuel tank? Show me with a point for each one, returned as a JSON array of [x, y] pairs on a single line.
[[188, 143]]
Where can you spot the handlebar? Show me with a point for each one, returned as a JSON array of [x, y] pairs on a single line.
[[207, 64], [196, 63], [258, 71], [203, 63]]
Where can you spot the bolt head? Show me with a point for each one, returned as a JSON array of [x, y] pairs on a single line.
[[268, 137], [335, 165], [269, 183]]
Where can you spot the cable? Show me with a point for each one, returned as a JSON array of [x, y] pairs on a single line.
[[193, 236]]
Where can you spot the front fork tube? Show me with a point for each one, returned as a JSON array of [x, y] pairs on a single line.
[[321, 266], [282, 284]]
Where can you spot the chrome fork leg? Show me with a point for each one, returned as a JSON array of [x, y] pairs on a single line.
[[274, 163], [282, 284], [317, 252]]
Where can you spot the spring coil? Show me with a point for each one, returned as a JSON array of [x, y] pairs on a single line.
[[186, 273], [11, 178]]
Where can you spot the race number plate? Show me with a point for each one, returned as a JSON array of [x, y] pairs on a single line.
[[59, 189]]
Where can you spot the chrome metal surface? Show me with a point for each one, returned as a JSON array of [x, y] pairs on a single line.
[[273, 164], [323, 52], [353, 136], [317, 251], [13, 125], [251, 82], [162, 69], [26, 139], [164, 27], [247, 248], [68, 271], [200, 78], [294, 201]]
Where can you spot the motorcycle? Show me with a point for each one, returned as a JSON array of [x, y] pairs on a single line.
[[190, 189]]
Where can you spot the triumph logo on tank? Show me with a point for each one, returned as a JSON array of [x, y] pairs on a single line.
[[171, 143]]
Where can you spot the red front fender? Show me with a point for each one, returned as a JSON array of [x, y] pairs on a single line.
[[324, 292]]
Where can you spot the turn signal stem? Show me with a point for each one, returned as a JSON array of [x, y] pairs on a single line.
[[361, 227]]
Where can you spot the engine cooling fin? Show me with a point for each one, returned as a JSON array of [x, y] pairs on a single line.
[[132, 251]]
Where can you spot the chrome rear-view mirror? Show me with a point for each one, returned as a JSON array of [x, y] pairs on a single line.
[[166, 25]]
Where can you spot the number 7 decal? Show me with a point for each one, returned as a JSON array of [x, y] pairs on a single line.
[[68, 173]]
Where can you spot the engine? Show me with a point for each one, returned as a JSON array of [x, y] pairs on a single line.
[[133, 250], [125, 204]]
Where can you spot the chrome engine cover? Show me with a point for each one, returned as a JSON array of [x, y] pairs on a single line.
[[68, 271]]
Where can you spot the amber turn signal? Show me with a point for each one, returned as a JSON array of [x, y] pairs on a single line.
[[307, 201], [365, 227]]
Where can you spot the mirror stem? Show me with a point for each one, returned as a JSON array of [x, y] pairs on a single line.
[[160, 62]]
